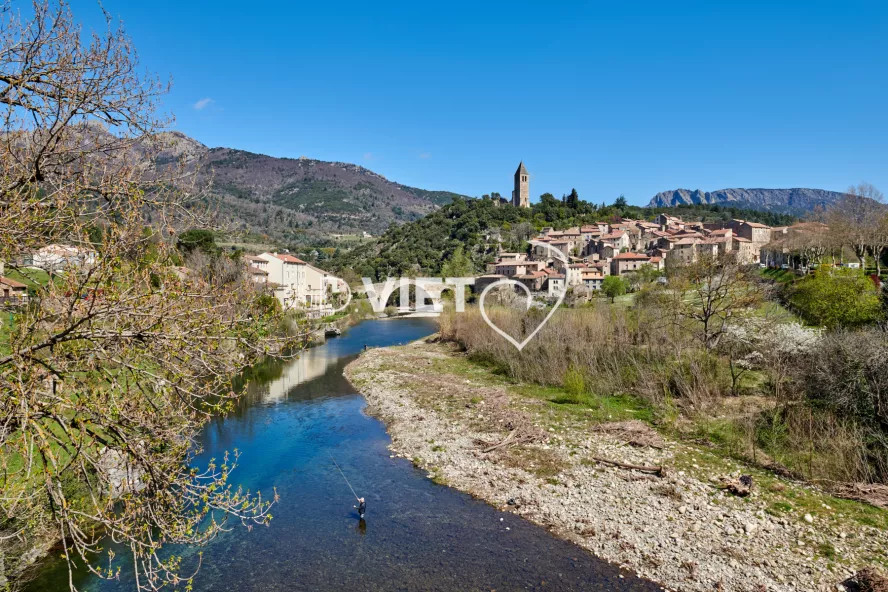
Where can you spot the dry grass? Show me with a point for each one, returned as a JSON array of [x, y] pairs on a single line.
[[601, 352]]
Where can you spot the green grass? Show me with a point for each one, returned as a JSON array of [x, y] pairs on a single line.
[[781, 276], [595, 407], [626, 300], [30, 276]]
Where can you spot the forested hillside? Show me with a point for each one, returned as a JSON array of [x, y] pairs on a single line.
[[467, 233], [295, 200]]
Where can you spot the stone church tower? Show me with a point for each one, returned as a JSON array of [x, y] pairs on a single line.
[[521, 194]]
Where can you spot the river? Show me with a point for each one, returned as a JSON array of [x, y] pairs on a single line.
[[417, 535]]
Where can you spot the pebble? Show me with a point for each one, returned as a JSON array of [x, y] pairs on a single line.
[[622, 519]]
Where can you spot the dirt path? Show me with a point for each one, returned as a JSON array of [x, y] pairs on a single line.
[[525, 454]]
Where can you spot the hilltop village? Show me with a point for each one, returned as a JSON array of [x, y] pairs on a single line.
[[585, 255], [595, 251]]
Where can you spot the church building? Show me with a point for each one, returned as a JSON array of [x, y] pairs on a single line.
[[521, 193]]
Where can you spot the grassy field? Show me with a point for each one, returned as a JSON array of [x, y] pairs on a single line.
[[30, 276]]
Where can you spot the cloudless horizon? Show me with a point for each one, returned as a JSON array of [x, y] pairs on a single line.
[[608, 98]]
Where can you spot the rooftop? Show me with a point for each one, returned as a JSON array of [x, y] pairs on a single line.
[[11, 283], [631, 256], [288, 258]]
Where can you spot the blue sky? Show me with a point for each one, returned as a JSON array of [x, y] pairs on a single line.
[[610, 98]]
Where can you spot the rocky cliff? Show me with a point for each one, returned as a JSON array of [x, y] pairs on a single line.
[[796, 202]]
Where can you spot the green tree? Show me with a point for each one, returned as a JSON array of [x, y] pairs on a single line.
[[646, 274], [837, 298], [197, 239], [613, 286], [573, 200], [459, 265], [621, 202]]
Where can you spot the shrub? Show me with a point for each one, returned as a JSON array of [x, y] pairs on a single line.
[[574, 383], [613, 286], [837, 298], [848, 373]]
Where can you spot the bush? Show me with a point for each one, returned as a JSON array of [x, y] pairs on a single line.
[[837, 298], [848, 373], [197, 239], [574, 383], [613, 286]]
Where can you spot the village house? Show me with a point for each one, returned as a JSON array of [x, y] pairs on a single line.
[[592, 279], [257, 269], [57, 257], [259, 276], [555, 285], [481, 282], [534, 280], [319, 286], [589, 233], [628, 262], [618, 240], [298, 284], [564, 246], [512, 268], [666, 221], [513, 256], [573, 273], [745, 250], [12, 293], [755, 232]]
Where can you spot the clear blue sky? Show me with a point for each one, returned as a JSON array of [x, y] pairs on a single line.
[[610, 98]]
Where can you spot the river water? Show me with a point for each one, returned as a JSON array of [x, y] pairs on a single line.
[[417, 535]]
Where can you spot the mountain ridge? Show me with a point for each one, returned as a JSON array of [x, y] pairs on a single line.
[[796, 201], [290, 199]]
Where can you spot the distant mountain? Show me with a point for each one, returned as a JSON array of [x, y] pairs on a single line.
[[289, 198], [796, 202]]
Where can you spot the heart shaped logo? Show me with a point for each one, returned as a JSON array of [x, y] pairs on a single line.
[[558, 254]]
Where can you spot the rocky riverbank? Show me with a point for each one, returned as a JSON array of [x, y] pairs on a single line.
[[611, 485]]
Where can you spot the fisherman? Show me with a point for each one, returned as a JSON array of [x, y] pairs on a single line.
[[361, 507]]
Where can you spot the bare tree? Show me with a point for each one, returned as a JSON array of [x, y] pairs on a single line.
[[810, 241], [879, 240], [855, 219], [108, 375], [711, 293]]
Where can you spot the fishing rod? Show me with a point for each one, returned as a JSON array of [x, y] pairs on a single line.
[[344, 477]]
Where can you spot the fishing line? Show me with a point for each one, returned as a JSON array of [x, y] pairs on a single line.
[[344, 477]]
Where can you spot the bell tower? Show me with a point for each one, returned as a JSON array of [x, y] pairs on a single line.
[[521, 193]]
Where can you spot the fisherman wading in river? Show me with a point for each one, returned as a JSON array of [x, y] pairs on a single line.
[[362, 505]]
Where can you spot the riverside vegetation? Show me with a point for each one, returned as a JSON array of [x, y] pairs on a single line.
[[627, 427], [712, 358]]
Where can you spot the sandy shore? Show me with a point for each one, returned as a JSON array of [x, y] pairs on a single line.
[[476, 432]]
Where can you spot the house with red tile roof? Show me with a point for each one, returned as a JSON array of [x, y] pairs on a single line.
[[298, 283], [628, 262], [12, 292]]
